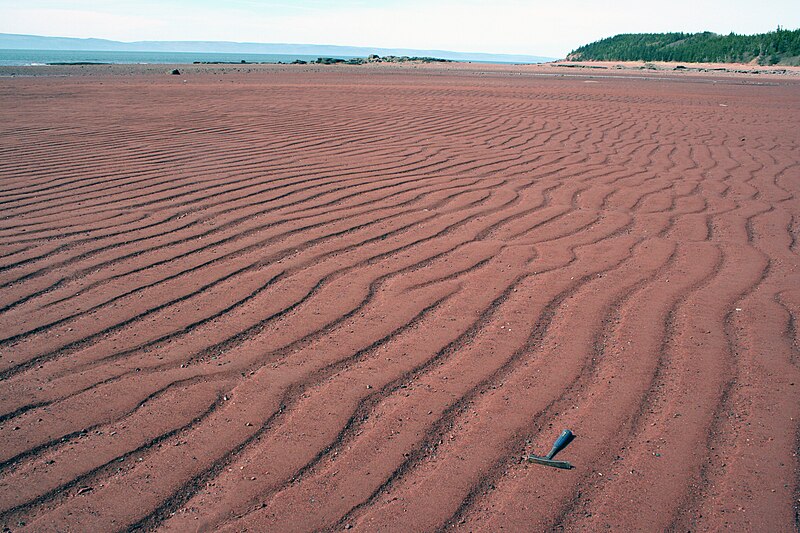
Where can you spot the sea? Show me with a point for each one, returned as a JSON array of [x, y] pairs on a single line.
[[49, 57]]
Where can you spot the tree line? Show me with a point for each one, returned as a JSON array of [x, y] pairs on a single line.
[[776, 47]]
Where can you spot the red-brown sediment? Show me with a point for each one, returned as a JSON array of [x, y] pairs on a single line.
[[317, 298]]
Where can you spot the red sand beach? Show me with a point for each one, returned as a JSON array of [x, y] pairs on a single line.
[[299, 298]]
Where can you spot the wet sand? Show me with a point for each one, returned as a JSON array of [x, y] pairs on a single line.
[[297, 298]]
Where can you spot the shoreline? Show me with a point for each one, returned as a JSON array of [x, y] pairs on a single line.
[[684, 66], [594, 69]]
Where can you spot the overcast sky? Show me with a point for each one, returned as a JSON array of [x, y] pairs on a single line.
[[550, 28]]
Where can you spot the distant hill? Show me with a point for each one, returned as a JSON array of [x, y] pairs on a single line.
[[34, 42], [780, 47]]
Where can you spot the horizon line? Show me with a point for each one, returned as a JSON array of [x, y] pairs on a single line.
[[139, 42]]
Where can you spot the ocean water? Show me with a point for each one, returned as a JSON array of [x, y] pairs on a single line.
[[44, 57]]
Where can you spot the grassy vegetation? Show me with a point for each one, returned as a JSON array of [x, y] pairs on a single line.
[[779, 47]]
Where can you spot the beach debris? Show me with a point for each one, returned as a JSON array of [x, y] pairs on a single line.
[[561, 442], [176, 72]]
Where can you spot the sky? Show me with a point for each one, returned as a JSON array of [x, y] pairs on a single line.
[[547, 28]]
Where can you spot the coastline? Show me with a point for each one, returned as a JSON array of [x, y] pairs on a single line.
[[562, 68]]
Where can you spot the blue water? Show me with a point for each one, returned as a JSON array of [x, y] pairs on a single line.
[[44, 57]]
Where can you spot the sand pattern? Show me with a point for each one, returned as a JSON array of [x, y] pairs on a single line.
[[322, 299]]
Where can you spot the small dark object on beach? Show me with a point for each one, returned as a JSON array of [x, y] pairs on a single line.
[[561, 443], [176, 72]]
